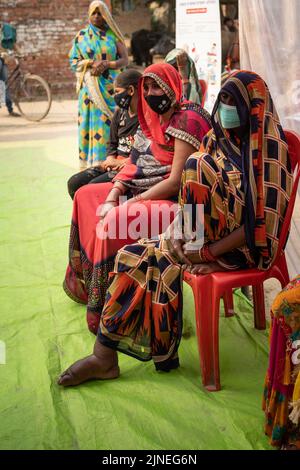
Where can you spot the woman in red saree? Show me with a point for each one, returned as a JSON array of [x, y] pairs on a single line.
[[171, 129]]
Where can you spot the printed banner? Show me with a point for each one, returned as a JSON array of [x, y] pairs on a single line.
[[198, 32]]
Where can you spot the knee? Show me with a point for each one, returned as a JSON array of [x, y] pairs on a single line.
[[73, 185]]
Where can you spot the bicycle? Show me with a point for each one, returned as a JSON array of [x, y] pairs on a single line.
[[30, 92]]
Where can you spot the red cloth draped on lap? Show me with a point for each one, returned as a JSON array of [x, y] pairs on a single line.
[[93, 246], [91, 254]]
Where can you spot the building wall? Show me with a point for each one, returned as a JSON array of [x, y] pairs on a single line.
[[45, 29]]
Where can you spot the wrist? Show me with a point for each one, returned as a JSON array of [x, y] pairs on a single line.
[[111, 201], [113, 195], [119, 187], [206, 254], [137, 198]]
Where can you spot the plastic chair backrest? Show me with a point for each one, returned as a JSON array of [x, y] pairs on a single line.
[[293, 141]]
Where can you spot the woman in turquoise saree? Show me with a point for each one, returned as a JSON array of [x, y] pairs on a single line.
[[97, 54]]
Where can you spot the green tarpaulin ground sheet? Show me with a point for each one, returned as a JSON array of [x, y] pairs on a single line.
[[43, 331]]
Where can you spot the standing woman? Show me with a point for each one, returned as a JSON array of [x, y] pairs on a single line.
[[97, 53], [186, 68]]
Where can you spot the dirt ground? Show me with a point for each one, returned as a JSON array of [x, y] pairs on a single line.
[[62, 122]]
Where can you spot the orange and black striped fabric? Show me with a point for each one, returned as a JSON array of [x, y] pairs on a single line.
[[254, 170], [238, 182]]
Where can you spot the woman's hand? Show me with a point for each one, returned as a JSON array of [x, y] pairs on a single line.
[[175, 239], [109, 163], [99, 66], [176, 250], [112, 163], [191, 252]]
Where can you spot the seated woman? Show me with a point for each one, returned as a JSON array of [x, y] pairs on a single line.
[[172, 130], [243, 179], [185, 65], [281, 401], [123, 127]]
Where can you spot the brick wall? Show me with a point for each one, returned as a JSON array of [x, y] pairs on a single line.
[[45, 29]]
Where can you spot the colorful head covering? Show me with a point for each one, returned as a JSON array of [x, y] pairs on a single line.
[[262, 158], [195, 92], [103, 8], [154, 145], [169, 80]]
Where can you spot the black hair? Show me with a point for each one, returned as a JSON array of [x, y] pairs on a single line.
[[127, 78]]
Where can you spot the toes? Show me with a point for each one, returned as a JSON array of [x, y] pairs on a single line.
[[65, 379]]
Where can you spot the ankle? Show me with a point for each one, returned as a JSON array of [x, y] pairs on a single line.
[[104, 354]]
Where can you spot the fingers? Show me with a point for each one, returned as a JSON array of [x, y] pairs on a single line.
[[199, 269], [175, 249], [196, 269], [116, 167]]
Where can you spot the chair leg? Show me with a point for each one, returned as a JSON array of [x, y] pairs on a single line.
[[283, 273], [259, 307], [207, 327], [228, 303]]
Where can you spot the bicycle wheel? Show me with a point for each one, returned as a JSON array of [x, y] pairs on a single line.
[[33, 98]]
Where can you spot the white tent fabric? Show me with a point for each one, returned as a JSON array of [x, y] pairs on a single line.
[[269, 46]]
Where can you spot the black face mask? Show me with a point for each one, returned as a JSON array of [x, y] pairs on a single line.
[[123, 100], [159, 104]]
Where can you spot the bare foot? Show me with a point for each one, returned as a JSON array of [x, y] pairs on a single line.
[[89, 368], [205, 268]]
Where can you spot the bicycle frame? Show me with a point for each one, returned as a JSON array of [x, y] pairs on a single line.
[[14, 77], [27, 98]]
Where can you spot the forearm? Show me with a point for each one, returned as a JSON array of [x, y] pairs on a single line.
[[234, 240], [118, 64], [117, 191], [216, 249]]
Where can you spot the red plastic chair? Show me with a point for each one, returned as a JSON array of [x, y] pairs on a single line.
[[208, 289], [203, 85]]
